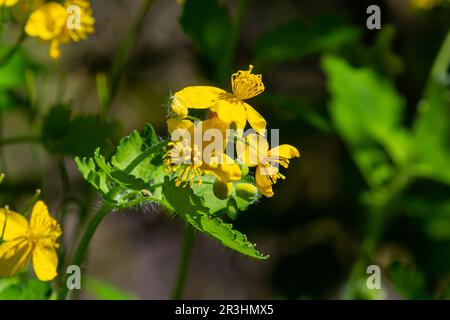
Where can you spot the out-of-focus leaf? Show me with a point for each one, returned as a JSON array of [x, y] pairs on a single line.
[[434, 213], [304, 113], [77, 136], [366, 109], [32, 289], [104, 291], [209, 25], [191, 208], [296, 40], [380, 55], [12, 73], [409, 282], [432, 132], [12, 76]]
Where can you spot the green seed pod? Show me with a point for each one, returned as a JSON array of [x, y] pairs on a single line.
[[246, 191], [222, 190]]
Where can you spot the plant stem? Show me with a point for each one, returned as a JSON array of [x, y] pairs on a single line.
[[378, 216], [81, 250], [185, 256], [226, 65], [121, 58], [20, 140], [12, 50], [442, 61]]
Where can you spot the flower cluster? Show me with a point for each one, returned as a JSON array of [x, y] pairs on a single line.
[[190, 158], [58, 23]]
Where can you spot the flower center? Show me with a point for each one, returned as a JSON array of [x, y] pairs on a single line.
[[246, 85]]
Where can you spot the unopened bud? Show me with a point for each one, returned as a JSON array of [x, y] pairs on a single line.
[[178, 108], [222, 190], [246, 191]]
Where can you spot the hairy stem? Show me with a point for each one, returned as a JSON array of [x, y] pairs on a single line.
[[80, 252]]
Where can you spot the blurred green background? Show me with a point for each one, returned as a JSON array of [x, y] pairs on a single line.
[[368, 109]]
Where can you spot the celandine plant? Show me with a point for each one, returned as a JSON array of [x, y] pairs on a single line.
[[192, 175]]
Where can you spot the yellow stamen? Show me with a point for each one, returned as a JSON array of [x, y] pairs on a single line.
[[246, 85]]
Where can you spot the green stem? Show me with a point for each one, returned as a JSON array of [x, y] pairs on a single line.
[[377, 221], [20, 140], [226, 65], [185, 256], [81, 250], [442, 61], [121, 58], [12, 50]]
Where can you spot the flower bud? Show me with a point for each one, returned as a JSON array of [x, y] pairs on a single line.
[[178, 108], [246, 191], [244, 169], [222, 190]]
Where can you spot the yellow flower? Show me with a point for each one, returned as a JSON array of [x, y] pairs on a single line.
[[58, 24], [189, 159], [25, 240], [424, 4], [229, 107], [255, 153], [8, 3]]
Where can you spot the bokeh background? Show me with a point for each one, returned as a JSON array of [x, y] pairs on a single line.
[[310, 53]]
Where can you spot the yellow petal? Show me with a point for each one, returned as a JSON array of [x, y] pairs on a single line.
[[174, 123], [42, 224], [8, 3], [223, 167], [16, 225], [284, 151], [263, 182], [256, 121], [253, 151], [197, 97], [232, 112], [45, 261], [14, 256], [47, 21]]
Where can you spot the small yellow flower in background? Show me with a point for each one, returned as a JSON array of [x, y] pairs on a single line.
[[60, 24], [24, 241], [186, 157], [424, 4], [229, 107], [255, 152], [8, 3]]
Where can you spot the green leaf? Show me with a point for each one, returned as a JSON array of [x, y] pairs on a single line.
[[12, 76], [209, 25], [77, 136], [432, 132], [136, 174], [104, 291], [191, 208], [295, 40], [135, 168], [409, 282], [12, 73], [26, 290], [367, 112]]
